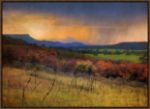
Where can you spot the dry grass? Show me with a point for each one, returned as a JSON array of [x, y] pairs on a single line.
[[106, 92]]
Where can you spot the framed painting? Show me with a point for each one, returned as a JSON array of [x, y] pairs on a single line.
[[74, 54]]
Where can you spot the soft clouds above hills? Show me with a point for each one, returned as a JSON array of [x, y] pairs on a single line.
[[97, 23]]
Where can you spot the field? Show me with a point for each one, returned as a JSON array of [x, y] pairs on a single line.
[[52, 89], [117, 57], [113, 54]]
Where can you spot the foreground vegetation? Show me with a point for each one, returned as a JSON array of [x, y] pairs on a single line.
[[22, 88], [36, 76]]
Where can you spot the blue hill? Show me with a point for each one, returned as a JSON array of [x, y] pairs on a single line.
[[123, 45], [28, 39]]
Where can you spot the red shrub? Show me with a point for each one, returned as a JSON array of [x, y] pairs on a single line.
[[130, 71]]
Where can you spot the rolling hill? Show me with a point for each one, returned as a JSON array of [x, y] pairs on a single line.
[[123, 45]]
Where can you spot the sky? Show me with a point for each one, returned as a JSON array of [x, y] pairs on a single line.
[[94, 23]]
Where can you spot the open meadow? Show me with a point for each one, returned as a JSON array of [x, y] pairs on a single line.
[[20, 89]]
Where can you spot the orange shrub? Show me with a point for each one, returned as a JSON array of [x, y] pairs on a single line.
[[129, 71]]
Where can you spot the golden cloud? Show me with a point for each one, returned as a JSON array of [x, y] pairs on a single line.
[[43, 27], [56, 28]]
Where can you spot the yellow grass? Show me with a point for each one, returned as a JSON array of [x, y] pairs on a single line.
[[106, 93]]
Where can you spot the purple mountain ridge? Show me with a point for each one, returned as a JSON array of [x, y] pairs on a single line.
[[123, 45], [28, 39]]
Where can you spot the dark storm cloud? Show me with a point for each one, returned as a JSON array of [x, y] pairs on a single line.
[[110, 22]]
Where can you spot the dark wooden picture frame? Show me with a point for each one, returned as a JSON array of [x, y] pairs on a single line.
[[34, 78]]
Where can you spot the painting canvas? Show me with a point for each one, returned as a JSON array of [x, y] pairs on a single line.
[[74, 54]]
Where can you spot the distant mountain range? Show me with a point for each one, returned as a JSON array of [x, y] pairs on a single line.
[[30, 40], [123, 45]]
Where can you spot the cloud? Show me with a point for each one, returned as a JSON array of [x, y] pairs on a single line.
[[122, 31], [63, 28], [44, 27]]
